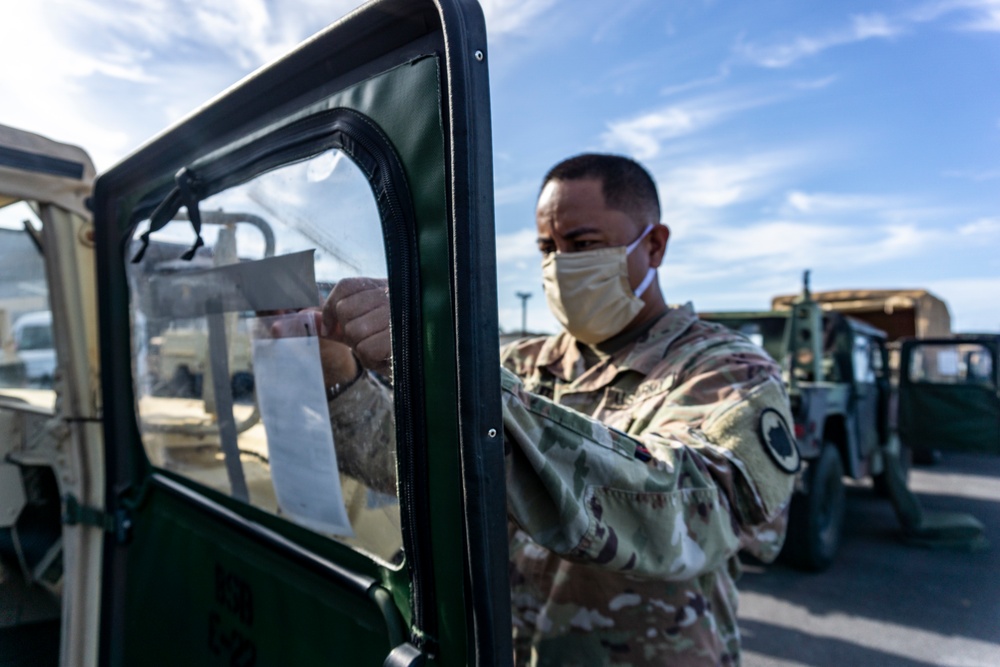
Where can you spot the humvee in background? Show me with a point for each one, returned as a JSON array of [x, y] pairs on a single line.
[[838, 373], [51, 443]]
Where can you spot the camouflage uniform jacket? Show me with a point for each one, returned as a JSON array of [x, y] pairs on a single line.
[[631, 486]]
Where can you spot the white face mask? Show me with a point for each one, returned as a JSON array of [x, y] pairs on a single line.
[[589, 292]]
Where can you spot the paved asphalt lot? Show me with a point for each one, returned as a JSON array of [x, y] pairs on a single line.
[[885, 603]]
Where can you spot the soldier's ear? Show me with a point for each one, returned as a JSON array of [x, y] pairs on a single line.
[[658, 238]]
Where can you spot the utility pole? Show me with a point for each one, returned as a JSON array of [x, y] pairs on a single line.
[[524, 296]]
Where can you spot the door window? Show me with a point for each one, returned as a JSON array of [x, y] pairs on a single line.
[[952, 364], [232, 368], [863, 370]]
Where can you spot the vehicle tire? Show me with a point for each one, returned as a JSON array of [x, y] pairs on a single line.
[[816, 516], [184, 383], [242, 385], [880, 481]]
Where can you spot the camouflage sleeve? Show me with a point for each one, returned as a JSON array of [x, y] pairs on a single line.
[[577, 488], [731, 409], [364, 433]]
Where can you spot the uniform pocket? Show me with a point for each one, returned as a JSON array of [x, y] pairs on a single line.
[[667, 535]]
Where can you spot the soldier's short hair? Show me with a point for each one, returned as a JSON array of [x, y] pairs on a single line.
[[625, 183]]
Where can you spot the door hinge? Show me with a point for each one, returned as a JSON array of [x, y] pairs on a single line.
[[118, 523]]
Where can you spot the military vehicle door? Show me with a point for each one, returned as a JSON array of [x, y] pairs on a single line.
[[948, 393], [866, 364], [277, 519]]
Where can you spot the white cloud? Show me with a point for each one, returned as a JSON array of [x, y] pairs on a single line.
[[248, 33], [977, 15], [825, 203], [971, 301], [981, 227], [41, 81], [720, 182], [861, 28], [159, 58], [516, 192], [867, 26], [977, 176], [837, 235], [848, 208], [816, 84], [721, 76], [519, 245], [785, 247], [507, 17], [644, 135], [988, 21]]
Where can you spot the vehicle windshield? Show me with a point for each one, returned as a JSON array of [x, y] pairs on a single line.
[[35, 337]]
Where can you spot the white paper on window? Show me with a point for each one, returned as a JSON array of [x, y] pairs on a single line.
[[292, 400]]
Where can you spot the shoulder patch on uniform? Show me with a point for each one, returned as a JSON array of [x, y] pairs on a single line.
[[778, 440]]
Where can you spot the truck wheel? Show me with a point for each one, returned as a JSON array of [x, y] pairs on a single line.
[[242, 385], [816, 517], [184, 383]]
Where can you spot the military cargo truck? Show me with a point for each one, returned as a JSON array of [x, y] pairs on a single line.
[[899, 313]]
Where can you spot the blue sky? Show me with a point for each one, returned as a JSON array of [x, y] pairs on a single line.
[[858, 139]]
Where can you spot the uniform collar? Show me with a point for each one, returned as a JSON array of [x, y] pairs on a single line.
[[561, 357]]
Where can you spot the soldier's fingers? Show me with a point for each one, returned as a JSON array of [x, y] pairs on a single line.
[[347, 287], [375, 352], [349, 299], [331, 325], [372, 324], [361, 302]]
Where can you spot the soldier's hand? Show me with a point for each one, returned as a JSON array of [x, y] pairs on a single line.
[[356, 314], [339, 365]]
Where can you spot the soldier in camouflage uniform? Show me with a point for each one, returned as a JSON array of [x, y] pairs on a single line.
[[644, 447]]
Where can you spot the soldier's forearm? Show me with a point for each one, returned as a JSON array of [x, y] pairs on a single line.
[[578, 488], [364, 433]]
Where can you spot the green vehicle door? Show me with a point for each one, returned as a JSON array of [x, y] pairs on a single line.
[[948, 393], [262, 515]]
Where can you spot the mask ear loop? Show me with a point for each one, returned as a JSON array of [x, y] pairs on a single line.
[[646, 282], [651, 274], [635, 244]]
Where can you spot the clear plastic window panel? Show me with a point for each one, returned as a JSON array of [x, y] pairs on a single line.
[[241, 383], [863, 371], [965, 363], [27, 349]]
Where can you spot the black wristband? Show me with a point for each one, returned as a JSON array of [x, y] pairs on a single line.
[[335, 390]]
